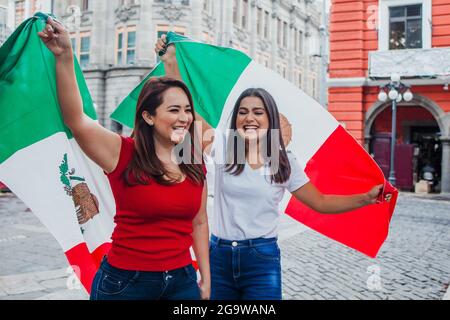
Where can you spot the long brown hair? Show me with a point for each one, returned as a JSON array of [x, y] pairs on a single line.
[[235, 167], [145, 163]]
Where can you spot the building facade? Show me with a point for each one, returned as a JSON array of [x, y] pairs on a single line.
[[5, 20], [114, 40], [369, 41]]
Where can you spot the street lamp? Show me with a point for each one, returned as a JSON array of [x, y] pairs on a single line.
[[396, 91]]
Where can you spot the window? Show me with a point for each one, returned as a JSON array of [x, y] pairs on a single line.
[[126, 45], [3, 16], [285, 33], [240, 13], [282, 32], [19, 12], [259, 21], [244, 14], [3, 27], [236, 11], [84, 5], [266, 24], [119, 47], [81, 45], [131, 47], [405, 27], [279, 31], [127, 2], [299, 37], [404, 24], [85, 44], [208, 7]]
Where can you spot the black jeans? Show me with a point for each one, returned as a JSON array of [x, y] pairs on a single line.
[[112, 283]]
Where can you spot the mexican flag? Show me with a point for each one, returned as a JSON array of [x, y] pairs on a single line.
[[332, 158], [39, 159]]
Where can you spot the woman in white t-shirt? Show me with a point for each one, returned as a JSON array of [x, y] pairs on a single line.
[[252, 172]]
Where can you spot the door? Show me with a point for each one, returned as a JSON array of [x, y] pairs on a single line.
[[404, 153], [381, 146], [404, 168]]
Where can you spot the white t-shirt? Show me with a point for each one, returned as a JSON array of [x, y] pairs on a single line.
[[247, 206]]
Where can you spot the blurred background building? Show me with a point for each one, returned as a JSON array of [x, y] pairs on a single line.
[[114, 40], [369, 42]]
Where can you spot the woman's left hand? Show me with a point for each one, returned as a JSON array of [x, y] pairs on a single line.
[[374, 193], [205, 289]]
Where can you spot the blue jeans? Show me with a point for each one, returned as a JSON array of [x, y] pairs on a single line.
[[111, 283], [247, 270]]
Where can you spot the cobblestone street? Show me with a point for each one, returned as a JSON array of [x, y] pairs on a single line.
[[414, 263]]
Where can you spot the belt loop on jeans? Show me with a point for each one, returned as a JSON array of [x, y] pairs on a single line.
[[104, 261], [136, 276], [215, 239]]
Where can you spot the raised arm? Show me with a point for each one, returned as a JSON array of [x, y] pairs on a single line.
[[323, 203], [98, 143], [169, 60]]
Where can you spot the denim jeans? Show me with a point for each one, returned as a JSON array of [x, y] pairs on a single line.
[[245, 270], [111, 283]]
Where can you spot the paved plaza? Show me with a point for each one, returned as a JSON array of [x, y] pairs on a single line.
[[414, 263]]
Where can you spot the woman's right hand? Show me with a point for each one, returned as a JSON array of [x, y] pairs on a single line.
[[56, 38], [169, 51]]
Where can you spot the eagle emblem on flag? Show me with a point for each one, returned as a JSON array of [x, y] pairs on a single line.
[[86, 203]]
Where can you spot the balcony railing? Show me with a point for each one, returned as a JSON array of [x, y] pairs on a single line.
[[411, 63]]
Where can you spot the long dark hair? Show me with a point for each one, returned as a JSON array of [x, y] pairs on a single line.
[[234, 140], [145, 163]]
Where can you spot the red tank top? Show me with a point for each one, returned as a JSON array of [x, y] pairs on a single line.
[[153, 222]]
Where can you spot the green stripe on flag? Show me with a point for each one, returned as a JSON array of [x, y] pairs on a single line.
[[29, 108], [125, 112], [209, 74]]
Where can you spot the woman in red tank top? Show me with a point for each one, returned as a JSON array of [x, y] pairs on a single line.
[[158, 180]]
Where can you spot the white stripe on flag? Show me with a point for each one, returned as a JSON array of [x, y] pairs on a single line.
[[40, 188], [311, 123]]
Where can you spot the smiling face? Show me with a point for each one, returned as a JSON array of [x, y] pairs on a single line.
[[172, 118], [252, 121]]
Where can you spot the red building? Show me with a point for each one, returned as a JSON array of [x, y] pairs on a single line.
[[369, 41]]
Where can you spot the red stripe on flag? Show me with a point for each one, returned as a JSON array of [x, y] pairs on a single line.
[[86, 264], [341, 166]]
